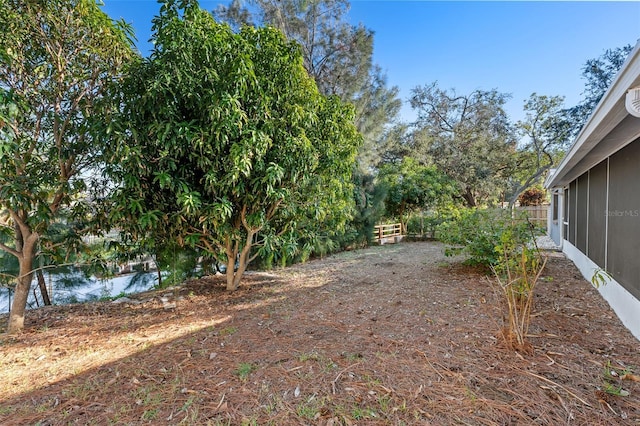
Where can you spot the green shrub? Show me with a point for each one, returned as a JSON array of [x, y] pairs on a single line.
[[478, 233], [504, 243], [517, 273], [427, 224], [532, 197]]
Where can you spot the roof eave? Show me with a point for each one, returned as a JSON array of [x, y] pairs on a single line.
[[608, 114]]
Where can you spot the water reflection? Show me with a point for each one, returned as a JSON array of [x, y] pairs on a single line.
[[72, 285]]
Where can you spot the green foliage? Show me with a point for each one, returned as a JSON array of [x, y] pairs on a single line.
[[505, 244], [599, 74], [369, 199], [223, 143], [413, 187], [600, 277], [613, 379], [481, 233], [427, 224], [336, 54], [178, 263], [56, 60], [517, 272], [544, 137], [467, 137], [244, 370]]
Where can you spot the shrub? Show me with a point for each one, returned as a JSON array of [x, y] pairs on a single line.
[[532, 197], [427, 224], [505, 244], [478, 232], [517, 273]]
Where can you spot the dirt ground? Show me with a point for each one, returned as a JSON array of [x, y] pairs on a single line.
[[389, 335]]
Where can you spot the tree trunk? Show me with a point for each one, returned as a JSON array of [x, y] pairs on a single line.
[[232, 285], [27, 247], [20, 295], [43, 288], [159, 272], [469, 198], [233, 276]]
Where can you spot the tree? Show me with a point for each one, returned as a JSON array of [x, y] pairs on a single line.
[[377, 110], [56, 58], [335, 53], [599, 74], [468, 137], [338, 55], [223, 142], [369, 198], [545, 132], [413, 187]]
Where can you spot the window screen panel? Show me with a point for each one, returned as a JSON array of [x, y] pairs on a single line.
[[623, 242], [597, 213]]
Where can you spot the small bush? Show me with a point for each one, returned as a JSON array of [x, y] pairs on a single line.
[[517, 273], [505, 244], [532, 197], [478, 232], [427, 224]]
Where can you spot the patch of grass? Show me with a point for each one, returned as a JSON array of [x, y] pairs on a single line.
[[110, 298], [228, 331], [148, 396], [402, 407], [614, 390], [312, 356], [384, 402], [359, 413], [330, 365], [307, 409], [79, 391], [6, 410], [150, 414], [611, 380], [244, 369], [353, 356], [469, 394], [188, 403], [371, 381]]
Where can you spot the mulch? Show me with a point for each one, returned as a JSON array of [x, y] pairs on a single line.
[[388, 335]]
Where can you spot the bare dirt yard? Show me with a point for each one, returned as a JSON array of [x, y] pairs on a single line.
[[388, 335]]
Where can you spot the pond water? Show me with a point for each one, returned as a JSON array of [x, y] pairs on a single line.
[[74, 287]]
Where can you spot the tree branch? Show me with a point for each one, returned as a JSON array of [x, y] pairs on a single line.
[[10, 250]]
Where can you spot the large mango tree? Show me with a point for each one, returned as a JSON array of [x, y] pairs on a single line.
[[224, 143]]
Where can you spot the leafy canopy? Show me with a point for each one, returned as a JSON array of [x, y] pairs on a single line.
[[223, 141], [544, 137], [56, 59], [337, 54], [468, 137], [413, 187]]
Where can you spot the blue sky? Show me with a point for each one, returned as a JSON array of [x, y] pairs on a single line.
[[512, 46]]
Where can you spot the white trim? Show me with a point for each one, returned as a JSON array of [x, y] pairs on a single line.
[[623, 303], [606, 222]]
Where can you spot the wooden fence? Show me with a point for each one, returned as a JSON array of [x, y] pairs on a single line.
[[537, 214], [389, 233]]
